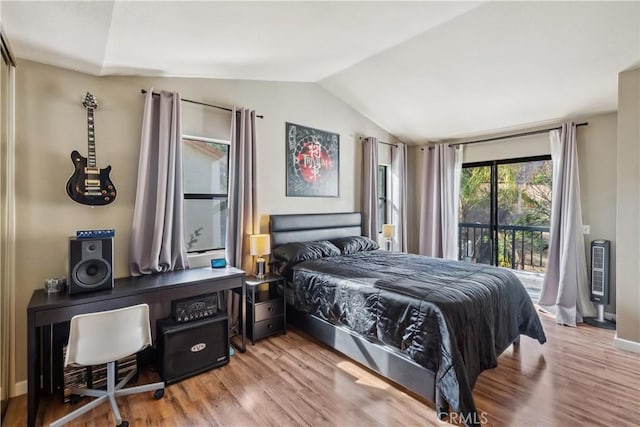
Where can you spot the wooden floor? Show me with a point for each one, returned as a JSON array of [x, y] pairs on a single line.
[[576, 378]]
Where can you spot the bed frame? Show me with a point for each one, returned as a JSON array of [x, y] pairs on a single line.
[[380, 358]]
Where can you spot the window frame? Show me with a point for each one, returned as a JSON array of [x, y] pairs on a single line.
[[493, 193], [384, 198], [207, 196]]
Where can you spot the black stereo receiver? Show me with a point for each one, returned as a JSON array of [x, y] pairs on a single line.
[[194, 308]]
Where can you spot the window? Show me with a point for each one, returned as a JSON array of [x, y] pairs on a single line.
[[206, 172], [383, 196], [505, 212]]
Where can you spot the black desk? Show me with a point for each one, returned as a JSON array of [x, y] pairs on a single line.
[[156, 290]]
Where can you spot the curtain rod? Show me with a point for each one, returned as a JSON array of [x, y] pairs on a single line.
[[200, 103], [513, 135], [380, 142]]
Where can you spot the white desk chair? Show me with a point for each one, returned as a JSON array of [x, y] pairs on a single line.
[[106, 337]]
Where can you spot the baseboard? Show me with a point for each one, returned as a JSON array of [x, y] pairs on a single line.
[[19, 388], [626, 344], [610, 316]]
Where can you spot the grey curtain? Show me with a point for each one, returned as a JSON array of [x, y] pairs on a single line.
[[242, 198], [565, 288], [370, 188], [399, 195], [157, 236], [442, 166]]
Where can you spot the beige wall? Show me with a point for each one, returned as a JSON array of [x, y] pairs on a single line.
[[597, 147], [628, 207], [51, 122], [533, 145], [597, 163]]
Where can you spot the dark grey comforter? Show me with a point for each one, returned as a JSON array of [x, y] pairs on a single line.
[[451, 317]]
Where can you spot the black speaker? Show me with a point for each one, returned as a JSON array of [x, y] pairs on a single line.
[[90, 265], [187, 349]]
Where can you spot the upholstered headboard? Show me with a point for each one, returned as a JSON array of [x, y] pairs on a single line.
[[310, 227]]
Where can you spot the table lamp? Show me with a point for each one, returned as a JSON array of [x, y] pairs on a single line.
[[260, 244], [388, 231]]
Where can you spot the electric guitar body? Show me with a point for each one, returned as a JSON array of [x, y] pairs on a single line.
[[89, 184], [94, 188]]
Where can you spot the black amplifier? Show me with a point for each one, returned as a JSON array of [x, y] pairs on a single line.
[[187, 349], [194, 308]]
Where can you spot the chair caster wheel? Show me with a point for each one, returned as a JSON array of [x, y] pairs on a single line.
[[158, 394], [123, 424]]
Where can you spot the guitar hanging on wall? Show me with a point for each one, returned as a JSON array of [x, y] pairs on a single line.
[[89, 184]]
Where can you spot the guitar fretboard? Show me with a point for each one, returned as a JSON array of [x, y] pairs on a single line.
[[91, 158]]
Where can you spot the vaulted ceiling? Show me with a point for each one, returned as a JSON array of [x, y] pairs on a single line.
[[421, 70]]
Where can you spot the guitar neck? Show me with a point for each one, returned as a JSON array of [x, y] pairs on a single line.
[[91, 138]]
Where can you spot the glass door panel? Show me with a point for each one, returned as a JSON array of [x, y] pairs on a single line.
[[475, 243], [524, 213]]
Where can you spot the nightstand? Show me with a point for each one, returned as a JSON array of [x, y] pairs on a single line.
[[266, 306]]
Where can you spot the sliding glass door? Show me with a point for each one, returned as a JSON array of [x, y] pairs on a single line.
[[505, 209], [475, 229]]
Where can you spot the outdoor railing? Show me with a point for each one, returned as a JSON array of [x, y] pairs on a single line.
[[522, 247]]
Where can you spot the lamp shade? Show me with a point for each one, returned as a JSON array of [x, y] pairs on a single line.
[[388, 230], [260, 244]]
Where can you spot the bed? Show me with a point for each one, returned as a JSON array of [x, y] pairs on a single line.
[[428, 324]]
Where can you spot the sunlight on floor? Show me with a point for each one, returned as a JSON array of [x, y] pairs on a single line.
[[363, 377], [532, 283]]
